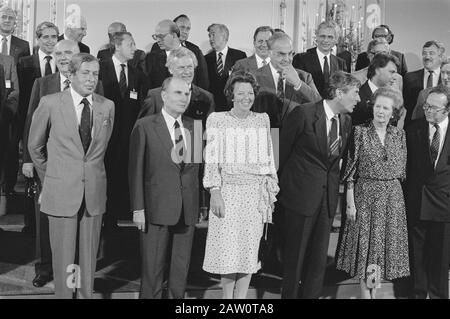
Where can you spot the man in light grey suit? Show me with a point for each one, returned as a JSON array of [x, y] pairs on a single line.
[[261, 56], [74, 127], [282, 86]]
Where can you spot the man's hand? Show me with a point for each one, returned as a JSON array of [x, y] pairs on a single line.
[[27, 170], [291, 76], [139, 219]]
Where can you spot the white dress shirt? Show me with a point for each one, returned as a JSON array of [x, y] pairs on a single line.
[[329, 113], [443, 132], [372, 86], [436, 74], [322, 62], [118, 68], [170, 122], [43, 62], [77, 98], [259, 61]]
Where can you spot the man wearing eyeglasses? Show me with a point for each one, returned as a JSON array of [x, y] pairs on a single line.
[[319, 61], [167, 36], [428, 196], [11, 45]]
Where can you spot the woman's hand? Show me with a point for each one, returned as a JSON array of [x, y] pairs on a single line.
[[216, 204]]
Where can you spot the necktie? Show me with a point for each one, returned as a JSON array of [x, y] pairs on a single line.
[[434, 147], [48, 68], [326, 69], [264, 63], [66, 84], [280, 87], [219, 66], [4, 46], [85, 125], [333, 138], [123, 82], [430, 79], [179, 144]]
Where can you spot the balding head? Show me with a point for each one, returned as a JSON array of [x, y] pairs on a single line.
[[64, 50], [76, 28], [167, 35], [116, 27]]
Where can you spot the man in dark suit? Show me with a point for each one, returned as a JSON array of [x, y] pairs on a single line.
[[261, 56], [164, 191], [11, 45], [50, 84], [220, 62], [319, 61], [281, 86], [382, 32], [107, 52], [380, 73], [181, 64], [68, 138], [3, 128], [76, 30], [123, 84], [312, 141], [427, 196], [414, 82]]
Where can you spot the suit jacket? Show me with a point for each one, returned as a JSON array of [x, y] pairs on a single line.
[[362, 61], [362, 112], [137, 62], [158, 185], [427, 188], [4, 127], [412, 85], [68, 174], [201, 72], [267, 101], [216, 82], [309, 62], [46, 85], [12, 93], [305, 169], [19, 48], [200, 105], [418, 111], [347, 57], [83, 47], [248, 65]]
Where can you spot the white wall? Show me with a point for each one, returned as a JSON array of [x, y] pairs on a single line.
[[141, 16]]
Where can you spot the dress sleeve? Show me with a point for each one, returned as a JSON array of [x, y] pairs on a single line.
[[403, 155], [213, 153], [351, 165]]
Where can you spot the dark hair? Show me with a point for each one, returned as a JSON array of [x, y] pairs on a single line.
[[442, 89], [239, 77], [78, 59], [340, 80], [180, 17], [393, 94], [437, 44], [380, 60], [264, 28], [388, 30], [222, 27], [278, 30], [45, 25]]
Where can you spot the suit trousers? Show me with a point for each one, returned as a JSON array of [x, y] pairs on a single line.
[[64, 234], [305, 254], [156, 242], [430, 249], [11, 161], [44, 266]]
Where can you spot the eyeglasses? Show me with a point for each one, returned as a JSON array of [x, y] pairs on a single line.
[[6, 17], [432, 109], [157, 37]]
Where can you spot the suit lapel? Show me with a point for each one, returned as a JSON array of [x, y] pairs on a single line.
[[188, 125], [443, 158], [252, 63], [36, 65], [320, 129], [315, 64], [164, 135], [131, 77], [334, 65], [55, 82], [97, 121], [423, 137], [70, 118]]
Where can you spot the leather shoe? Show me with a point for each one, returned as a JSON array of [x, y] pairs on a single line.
[[41, 280]]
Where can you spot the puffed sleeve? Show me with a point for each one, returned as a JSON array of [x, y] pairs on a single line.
[[352, 160], [213, 153], [403, 155]]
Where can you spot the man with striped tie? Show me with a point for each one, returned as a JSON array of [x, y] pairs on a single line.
[[312, 141]]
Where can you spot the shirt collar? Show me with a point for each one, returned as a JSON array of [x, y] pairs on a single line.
[[117, 63], [224, 52], [321, 55], [274, 71], [168, 51], [42, 56], [170, 121], [443, 125], [8, 37], [62, 79], [372, 86], [259, 60], [328, 111], [77, 98], [435, 72]]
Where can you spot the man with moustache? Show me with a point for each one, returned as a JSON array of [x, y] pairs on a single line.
[[123, 84], [11, 45], [433, 53], [282, 87], [220, 61], [76, 30], [427, 194], [319, 61], [164, 191], [50, 84], [68, 138], [261, 56], [312, 141]]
